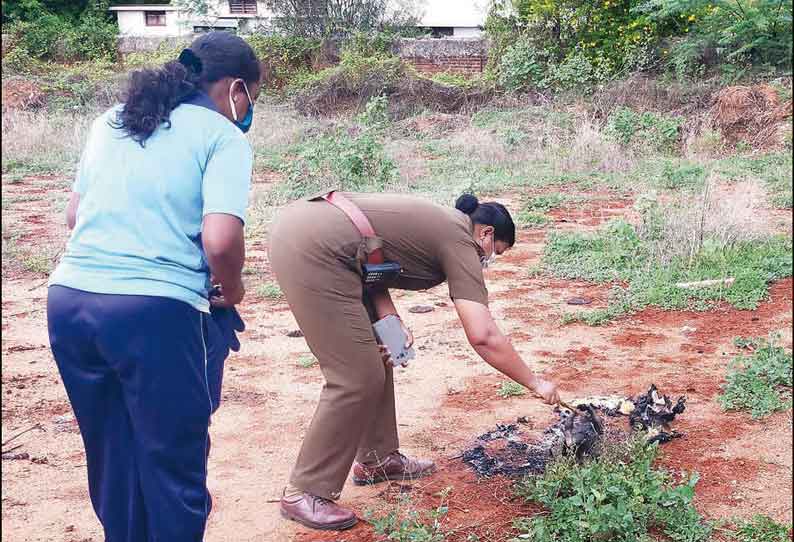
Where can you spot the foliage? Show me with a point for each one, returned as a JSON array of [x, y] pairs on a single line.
[[645, 130], [619, 497], [619, 253], [405, 524], [510, 389], [327, 18], [752, 382], [735, 32], [761, 529], [376, 113], [307, 361], [286, 57], [62, 31], [270, 290], [337, 160], [523, 66]]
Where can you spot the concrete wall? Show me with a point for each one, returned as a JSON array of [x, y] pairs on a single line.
[[133, 23]]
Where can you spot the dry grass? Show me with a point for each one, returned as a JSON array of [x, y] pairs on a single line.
[[42, 142]]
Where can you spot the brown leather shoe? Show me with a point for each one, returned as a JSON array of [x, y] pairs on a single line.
[[395, 467], [317, 513]]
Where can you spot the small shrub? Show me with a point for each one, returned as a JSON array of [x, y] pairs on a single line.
[[510, 389], [270, 290], [404, 524], [529, 219], [376, 113], [761, 529], [307, 361], [752, 383], [522, 66], [677, 176], [645, 130], [545, 202], [619, 497]]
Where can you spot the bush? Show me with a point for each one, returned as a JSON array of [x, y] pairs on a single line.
[[338, 160], [521, 67], [649, 131], [752, 382], [619, 497]]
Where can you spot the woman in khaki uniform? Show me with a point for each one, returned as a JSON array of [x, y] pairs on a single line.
[[316, 251]]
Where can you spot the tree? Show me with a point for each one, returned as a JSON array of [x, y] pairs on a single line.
[[203, 12], [323, 18]]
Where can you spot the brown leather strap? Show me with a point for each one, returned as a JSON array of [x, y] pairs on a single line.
[[360, 221]]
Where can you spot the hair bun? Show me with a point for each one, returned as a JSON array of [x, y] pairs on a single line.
[[189, 60], [467, 203]]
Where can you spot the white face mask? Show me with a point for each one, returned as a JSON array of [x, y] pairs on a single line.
[[486, 261]]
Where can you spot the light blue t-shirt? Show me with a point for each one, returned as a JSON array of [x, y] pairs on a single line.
[[138, 229]]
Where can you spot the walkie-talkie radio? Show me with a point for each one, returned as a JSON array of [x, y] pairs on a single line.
[[375, 271]]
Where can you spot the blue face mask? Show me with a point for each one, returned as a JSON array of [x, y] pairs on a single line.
[[245, 124]]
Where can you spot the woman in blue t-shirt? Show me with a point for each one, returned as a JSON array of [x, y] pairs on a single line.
[[157, 212]]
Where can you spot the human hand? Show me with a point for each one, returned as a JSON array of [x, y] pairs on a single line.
[[547, 390], [229, 297], [385, 355], [409, 336]]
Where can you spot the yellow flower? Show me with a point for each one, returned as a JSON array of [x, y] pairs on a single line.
[[691, 17], [686, 29]]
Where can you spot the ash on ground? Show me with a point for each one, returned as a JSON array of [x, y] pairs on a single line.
[[509, 452]]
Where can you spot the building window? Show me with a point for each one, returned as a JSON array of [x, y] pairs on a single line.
[[242, 7], [441, 31], [154, 18]]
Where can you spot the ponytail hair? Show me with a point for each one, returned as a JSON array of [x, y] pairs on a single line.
[[152, 94], [489, 214]]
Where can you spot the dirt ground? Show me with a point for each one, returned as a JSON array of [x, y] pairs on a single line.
[[445, 398]]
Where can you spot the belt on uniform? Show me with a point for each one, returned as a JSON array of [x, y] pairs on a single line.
[[376, 271]]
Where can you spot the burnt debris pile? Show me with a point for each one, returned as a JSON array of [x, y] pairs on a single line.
[[509, 452]]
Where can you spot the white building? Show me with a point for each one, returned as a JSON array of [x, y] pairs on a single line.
[[458, 18]]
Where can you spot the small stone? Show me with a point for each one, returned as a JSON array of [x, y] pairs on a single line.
[[441, 304], [65, 418], [420, 309], [688, 329], [14, 457], [579, 301], [69, 529], [294, 334], [522, 419], [39, 460]]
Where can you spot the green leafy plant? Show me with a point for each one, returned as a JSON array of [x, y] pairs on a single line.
[[308, 361], [619, 497], [405, 524], [510, 389], [645, 130], [753, 383], [761, 529], [270, 290], [376, 113]]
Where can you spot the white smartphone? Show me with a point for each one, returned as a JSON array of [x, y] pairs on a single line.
[[389, 332]]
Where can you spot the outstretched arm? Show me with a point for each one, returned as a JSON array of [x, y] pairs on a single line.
[[492, 346]]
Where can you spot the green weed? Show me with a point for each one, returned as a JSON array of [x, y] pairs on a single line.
[[619, 497], [753, 383], [307, 361], [270, 290], [528, 219], [761, 529], [545, 202], [618, 253], [510, 389], [405, 524], [645, 131]]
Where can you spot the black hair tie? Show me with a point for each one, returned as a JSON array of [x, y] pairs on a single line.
[[189, 60]]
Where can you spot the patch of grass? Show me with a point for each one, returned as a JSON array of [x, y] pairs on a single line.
[[774, 170], [307, 361], [619, 253], [510, 389], [270, 290], [761, 529], [754, 382], [338, 160], [403, 523], [529, 219], [545, 202], [645, 131], [620, 497]]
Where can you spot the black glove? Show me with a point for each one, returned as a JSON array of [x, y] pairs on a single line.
[[228, 321]]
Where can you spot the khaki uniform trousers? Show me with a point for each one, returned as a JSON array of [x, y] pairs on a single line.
[[311, 249]]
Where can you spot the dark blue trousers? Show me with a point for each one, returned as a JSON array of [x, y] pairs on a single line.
[[135, 370]]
